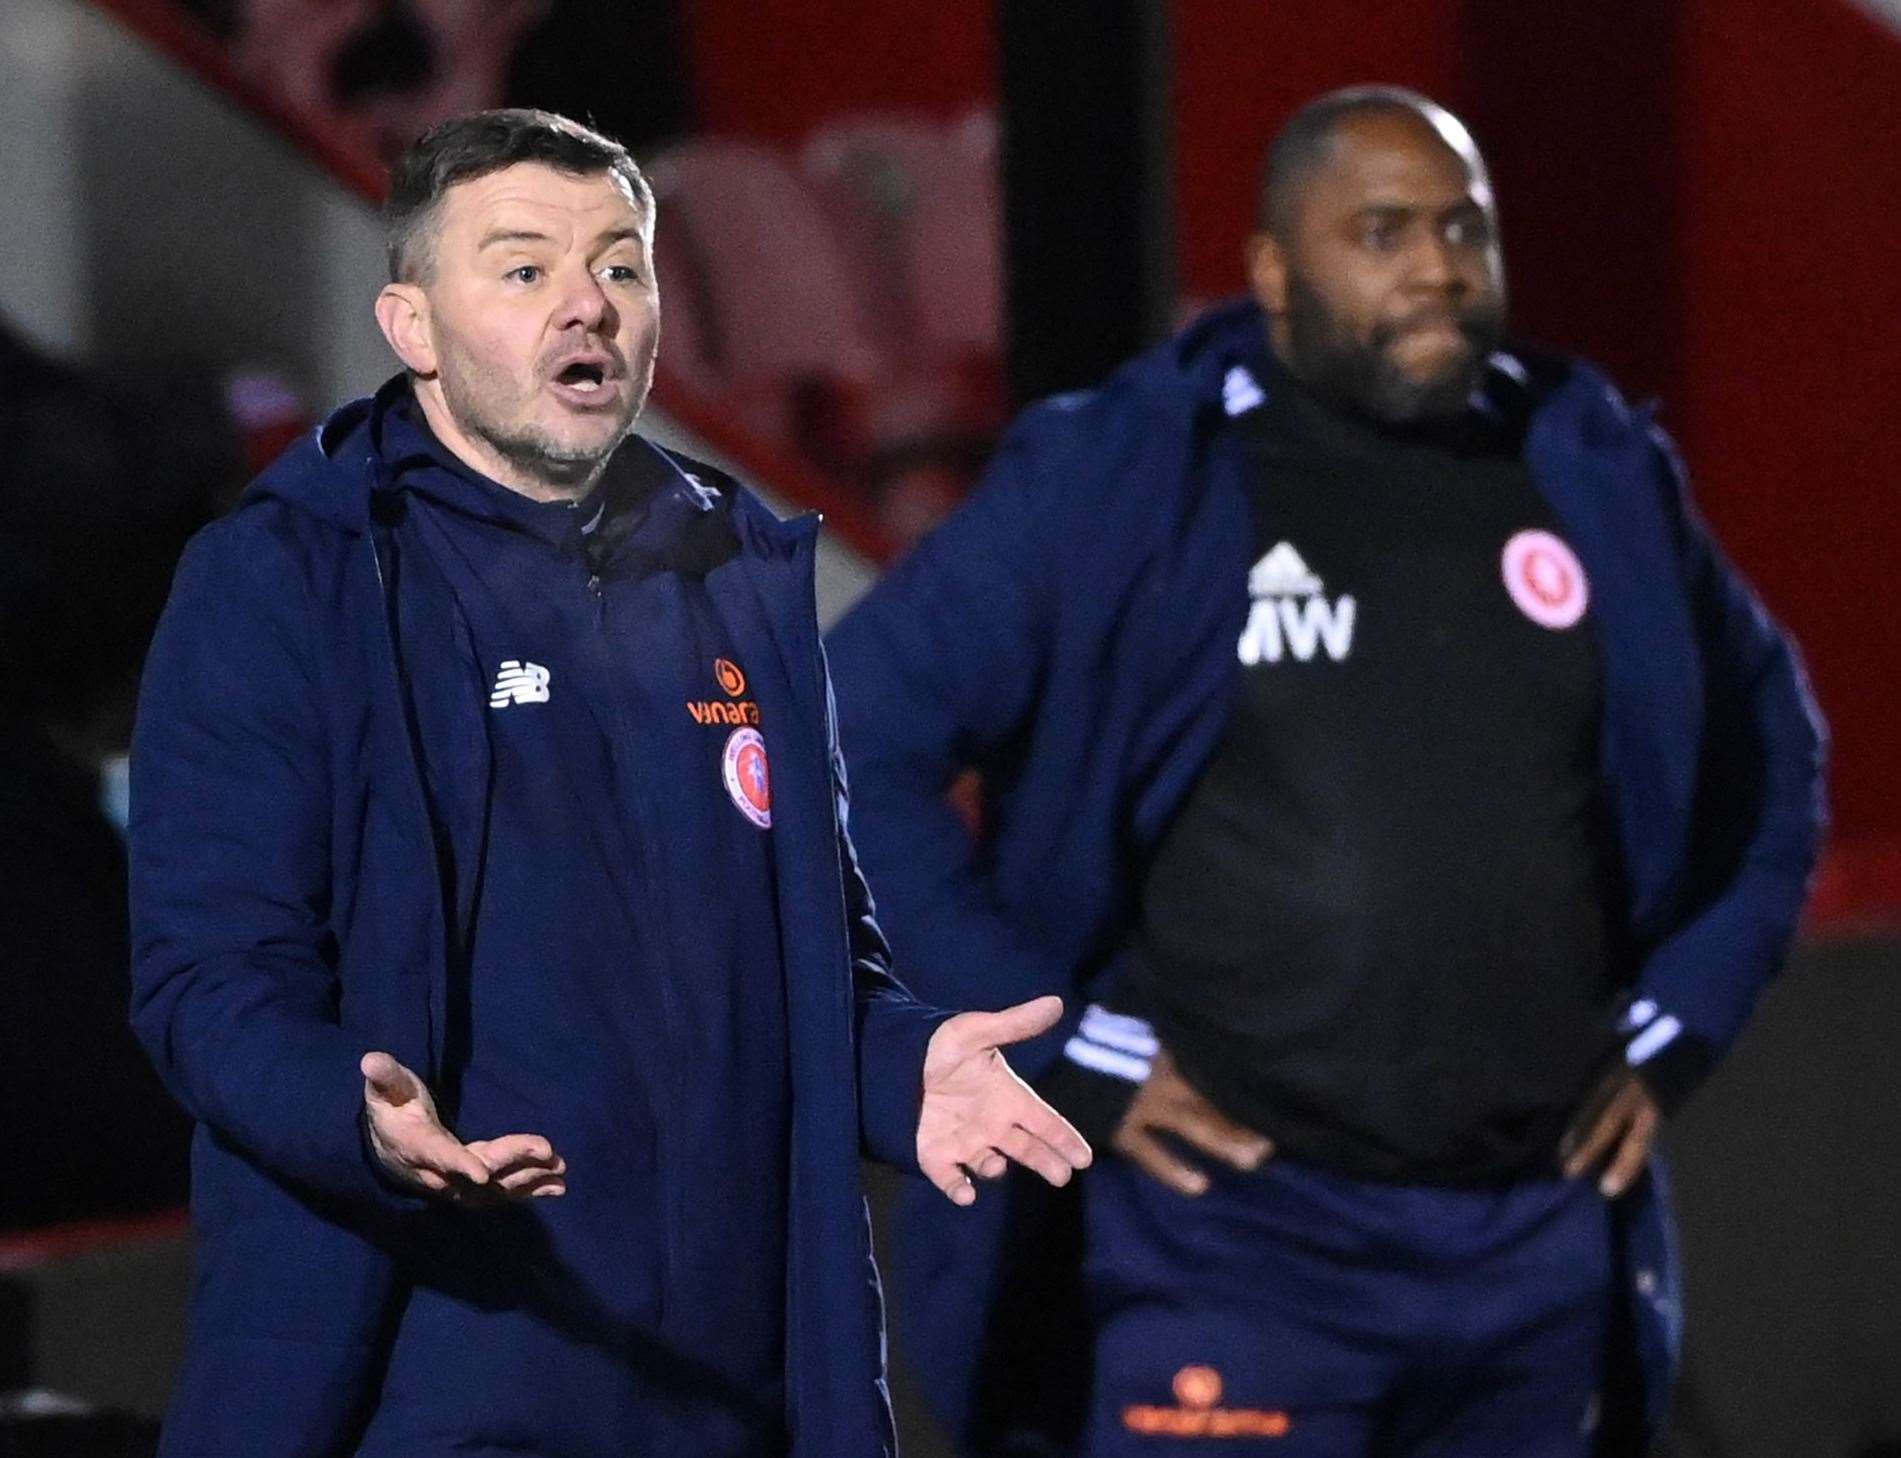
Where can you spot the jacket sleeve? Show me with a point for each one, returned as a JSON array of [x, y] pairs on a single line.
[[893, 1029], [1758, 821], [235, 995], [938, 670]]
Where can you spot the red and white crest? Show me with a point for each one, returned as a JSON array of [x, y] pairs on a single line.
[[743, 767], [1545, 579]]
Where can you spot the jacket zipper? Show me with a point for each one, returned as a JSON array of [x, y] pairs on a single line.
[[667, 1130], [437, 992]]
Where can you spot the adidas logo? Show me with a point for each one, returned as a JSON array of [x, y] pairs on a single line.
[[519, 683], [1289, 617], [1240, 391], [1282, 573]]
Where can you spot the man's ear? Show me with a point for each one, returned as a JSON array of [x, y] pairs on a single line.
[[402, 311], [1267, 273]]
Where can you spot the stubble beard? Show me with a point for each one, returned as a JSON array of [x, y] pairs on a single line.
[[480, 398], [1325, 355]]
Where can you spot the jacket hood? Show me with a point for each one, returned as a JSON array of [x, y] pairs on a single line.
[[329, 473], [337, 471]]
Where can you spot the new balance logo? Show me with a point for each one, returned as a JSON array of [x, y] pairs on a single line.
[[1289, 617], [519, 683]]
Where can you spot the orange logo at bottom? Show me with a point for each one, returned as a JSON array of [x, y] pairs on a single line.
[[1198, 1389]]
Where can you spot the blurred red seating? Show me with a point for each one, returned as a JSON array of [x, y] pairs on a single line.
[[918, 203], [849, 308], [781, 325]]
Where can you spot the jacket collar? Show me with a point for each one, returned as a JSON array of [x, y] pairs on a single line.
[[1221, 360], [348, 470]]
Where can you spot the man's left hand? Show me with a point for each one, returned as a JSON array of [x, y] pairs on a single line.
[[1614, 1130], [978, 1115]]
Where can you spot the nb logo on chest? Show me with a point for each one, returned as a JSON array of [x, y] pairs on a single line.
[[518, 682], [1289, 616]]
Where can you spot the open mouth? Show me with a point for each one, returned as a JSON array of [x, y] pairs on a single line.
[[586, 382], [583, 376]]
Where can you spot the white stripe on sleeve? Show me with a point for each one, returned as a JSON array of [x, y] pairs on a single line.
[[1106, 1060], [1652, 1040], [1637, 1015], [1118, 1031]]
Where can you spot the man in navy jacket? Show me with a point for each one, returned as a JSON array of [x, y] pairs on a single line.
[[493, 908], [1411, 801]]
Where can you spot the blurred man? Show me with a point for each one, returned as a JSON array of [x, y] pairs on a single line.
[[493, 909], [1377, 743], [98, 493]]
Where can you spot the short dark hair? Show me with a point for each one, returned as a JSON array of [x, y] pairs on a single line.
[[1302, 142], [467, 147]]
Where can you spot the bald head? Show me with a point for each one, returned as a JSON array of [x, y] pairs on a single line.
[[1377, 265], [1312, 135]]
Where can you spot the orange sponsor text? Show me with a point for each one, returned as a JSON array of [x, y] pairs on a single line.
[[1205, 1422], [1198, 1389], [715, 711]]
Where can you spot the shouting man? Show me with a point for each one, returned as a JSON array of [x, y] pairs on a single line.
[[493, 905]]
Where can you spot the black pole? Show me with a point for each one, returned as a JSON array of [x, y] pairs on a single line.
[[1087, 153]]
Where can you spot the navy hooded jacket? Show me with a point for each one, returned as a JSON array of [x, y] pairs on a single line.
[[310, 792], [1068, 633]]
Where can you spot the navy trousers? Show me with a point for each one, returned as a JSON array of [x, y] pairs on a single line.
[[1301, 1314]]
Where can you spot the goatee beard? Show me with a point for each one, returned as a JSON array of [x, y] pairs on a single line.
[[1326, 357]]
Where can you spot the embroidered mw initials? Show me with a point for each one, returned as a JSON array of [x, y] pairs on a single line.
[[1289, 616]]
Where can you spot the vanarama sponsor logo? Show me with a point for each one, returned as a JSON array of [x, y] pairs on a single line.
[[718, 711], [1199, 1414], [732, 682]]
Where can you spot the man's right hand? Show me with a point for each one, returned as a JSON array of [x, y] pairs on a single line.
[[1167, 1104], [417, 1152]]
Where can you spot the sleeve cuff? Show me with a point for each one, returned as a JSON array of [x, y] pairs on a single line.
[[383, 1190], [893, 1042], [1671, 1060], [1104, 1062]]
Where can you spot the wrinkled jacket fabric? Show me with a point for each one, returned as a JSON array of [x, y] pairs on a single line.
[[310, 787], [1071, 633]]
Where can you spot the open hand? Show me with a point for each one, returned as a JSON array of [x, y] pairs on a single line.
[[978, 1115], [1168, 1104], [1614, 1129], [415, 1150]]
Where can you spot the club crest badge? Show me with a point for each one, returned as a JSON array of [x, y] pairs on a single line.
[[1545, 579], [743, 767]]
